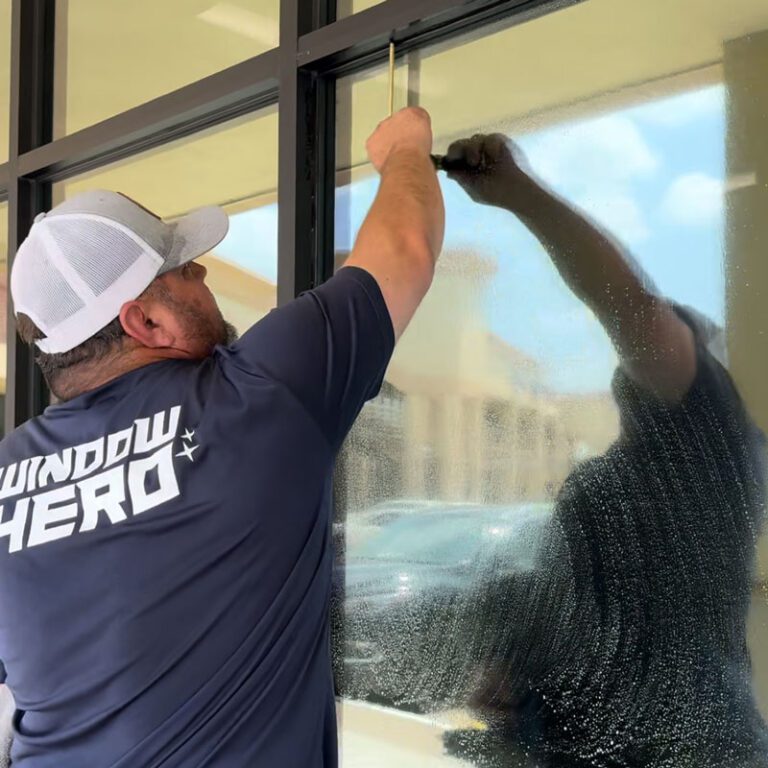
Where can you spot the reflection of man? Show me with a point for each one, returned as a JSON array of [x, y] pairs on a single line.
[[628, 647], [165, 554]]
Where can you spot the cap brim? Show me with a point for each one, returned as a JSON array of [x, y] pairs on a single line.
[[195, 234]]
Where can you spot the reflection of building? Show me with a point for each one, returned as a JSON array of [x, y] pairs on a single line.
[[465, 417], [244, 298]]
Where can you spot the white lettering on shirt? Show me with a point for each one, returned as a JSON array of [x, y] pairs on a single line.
[[111, 479]]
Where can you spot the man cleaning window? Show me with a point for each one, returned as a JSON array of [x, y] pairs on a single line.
[[165, 541]]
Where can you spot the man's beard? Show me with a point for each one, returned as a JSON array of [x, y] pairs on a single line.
[[212, 331], [209, 331], [230, 333]]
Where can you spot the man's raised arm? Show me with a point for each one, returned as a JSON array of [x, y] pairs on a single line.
[[402, 235], [656, 347]]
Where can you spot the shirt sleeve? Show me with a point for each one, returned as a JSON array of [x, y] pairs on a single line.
[[330, 348], [710, 431], [712, 386]]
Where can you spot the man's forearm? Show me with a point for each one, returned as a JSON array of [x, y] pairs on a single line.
[[655, 346], [402, 235], [595, 267], [408, 210]]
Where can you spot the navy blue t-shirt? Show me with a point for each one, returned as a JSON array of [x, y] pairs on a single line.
[[165, 549]]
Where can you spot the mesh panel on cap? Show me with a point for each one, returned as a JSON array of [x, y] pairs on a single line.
[[45, 291], [99, 253]]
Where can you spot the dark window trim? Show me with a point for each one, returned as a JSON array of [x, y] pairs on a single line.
[[30, 125], [233, 92], [355, 42], [306, 115]]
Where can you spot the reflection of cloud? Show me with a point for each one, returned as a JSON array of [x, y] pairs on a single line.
[[619, 213], [693, 200], [596, 162], [618, 168], [684, 109], [608, 149]]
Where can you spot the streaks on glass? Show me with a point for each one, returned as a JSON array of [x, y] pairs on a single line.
[[604, 630]]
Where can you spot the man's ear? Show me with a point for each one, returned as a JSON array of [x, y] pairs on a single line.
[[144, 325]]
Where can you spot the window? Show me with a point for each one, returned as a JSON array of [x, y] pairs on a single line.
[[447, 633], [113, 55], [233, 165]]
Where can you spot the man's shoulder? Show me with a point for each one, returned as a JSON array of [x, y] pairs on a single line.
[[19, 441]]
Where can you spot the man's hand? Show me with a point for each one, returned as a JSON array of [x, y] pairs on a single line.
[[409, 129], [491, 169]]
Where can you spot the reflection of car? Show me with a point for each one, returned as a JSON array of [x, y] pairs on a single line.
[[404, 584], [363, 524]]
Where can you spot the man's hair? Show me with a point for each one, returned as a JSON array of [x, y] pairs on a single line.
[[102, 344]]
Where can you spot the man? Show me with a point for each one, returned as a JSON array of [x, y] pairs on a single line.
[[627, 647], [165, 554]]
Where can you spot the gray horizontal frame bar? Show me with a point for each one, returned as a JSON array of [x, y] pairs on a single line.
[[235, 91], [356, 41]]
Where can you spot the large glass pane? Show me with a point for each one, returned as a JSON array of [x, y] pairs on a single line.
[[112, 55], [5, 74], [512, 591], [234, 166]]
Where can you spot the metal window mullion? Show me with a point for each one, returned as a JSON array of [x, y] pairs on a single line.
[[305, 151], [31, 106], [294, 260], [237, 90], [26, 391]]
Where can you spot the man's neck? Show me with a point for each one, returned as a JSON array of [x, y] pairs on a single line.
[[91, 375]]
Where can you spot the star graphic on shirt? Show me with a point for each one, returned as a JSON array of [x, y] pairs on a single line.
[[188, 435], [188, 451]]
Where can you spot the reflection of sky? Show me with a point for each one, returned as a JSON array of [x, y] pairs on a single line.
[[653, 174], [252, 242]]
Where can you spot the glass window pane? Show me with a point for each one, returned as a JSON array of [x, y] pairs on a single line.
[[528, 579], [348, 7], [5, 75], [113, 55], [234, 166]]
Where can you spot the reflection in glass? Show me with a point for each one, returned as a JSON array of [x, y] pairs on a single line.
[[234, 166], [113, 55], [348, 7], [542, 566]]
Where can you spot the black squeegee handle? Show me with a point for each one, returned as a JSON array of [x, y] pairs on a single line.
[[443, 163]]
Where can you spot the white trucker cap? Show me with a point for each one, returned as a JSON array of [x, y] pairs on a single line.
[[89, 255]]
